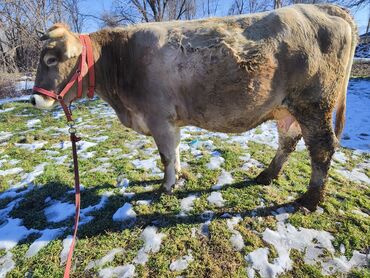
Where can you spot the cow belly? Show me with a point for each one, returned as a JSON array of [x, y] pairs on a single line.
[[227, 118], [232, 108]]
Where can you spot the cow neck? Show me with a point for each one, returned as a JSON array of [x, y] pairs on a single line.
[[111, 62]]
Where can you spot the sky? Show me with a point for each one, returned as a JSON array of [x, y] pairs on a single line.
[[96, 7]]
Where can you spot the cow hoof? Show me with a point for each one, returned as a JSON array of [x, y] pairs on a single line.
[[263, 178], [308, 202], [165, 189], [179, 183]]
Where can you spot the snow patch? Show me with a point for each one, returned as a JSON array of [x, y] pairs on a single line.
[[59, 159], [354, 175], [152, 244], [33, 123], [30, 177], [14, 192], [47, 236], [32, 146], [82, 146], [147, 164], [103, 168], [87, 155], [236, 238], [216, 199], [59, 211], [99, 139], [204, 227], [5, 136], [84, 217], [250, 163], [224, 178], [126, 271], [186, 204], [12, 171], [356, 134], [182, 263], [340, 157], [107, 258], [7, 109], [125, 213], [359, 212], [66, 245], [123, 183], [311, 242], [11, 232], [6, 264], [143, 202], [215, 163]]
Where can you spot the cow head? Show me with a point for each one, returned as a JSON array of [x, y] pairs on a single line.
[[58, 62]]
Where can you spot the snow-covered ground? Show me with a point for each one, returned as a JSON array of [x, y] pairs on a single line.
[[311, 242], [284, 239], [20, 98]]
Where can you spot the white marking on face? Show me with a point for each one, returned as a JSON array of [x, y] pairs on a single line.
[[43, 103]]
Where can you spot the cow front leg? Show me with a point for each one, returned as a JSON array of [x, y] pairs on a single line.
[[167, 138]]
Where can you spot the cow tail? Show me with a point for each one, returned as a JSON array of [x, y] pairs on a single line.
[[341, 102]]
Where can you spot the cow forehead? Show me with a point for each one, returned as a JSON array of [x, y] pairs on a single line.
[[51, 48]]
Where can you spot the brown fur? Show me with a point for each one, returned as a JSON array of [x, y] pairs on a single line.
[[225, 74]]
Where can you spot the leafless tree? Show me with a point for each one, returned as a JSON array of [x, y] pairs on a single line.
[[277, 4], [181, 9], [208, 7], [134, 11], [248, 6], [73, 14], [356, 3], [20, 22]]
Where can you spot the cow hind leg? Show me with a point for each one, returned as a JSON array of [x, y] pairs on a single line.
[[289, 135], [167, 138], [321, 143]]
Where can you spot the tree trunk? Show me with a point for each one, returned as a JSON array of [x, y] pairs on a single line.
[[277, 4]]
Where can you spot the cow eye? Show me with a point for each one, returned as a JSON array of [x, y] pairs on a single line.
[[51, 61]]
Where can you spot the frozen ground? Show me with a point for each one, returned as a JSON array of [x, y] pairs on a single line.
[[217, 222]]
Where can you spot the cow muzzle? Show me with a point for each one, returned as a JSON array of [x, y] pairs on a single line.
[[41, 102]]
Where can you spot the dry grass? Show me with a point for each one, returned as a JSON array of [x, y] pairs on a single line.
[[7, 85]]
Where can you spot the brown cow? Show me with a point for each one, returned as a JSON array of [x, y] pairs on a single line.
[[223, 74]]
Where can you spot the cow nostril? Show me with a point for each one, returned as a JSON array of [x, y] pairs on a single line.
[[33, 100]]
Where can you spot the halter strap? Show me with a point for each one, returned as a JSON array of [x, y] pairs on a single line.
[[85, 66]]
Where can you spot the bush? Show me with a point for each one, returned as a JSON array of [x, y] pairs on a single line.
[[14, 85], [7, 85]]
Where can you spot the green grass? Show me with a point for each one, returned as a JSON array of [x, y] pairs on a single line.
[[213, 256]]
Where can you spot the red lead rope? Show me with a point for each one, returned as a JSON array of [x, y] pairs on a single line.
[[74, 140], [87, 58]]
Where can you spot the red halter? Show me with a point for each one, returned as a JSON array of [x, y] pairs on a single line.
[[87, 59]]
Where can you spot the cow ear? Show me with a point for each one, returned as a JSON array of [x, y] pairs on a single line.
[[58, 30], [65, 39]]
